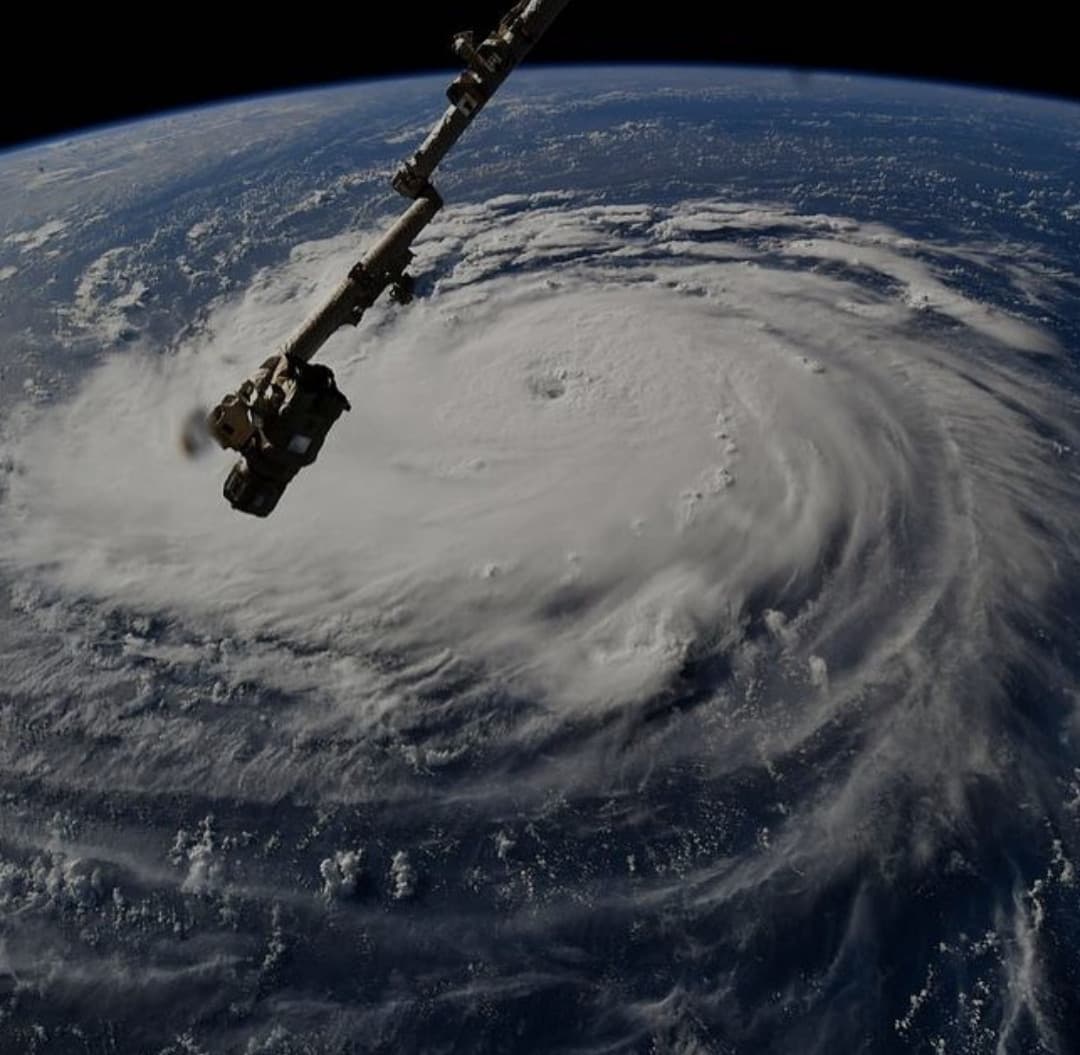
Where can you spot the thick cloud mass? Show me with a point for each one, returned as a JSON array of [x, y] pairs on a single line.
[[716, 504]]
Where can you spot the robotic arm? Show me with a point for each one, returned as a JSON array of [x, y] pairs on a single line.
[[488, 65], [278, 419]]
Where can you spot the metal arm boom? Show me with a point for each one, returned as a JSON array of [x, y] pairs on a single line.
[[279, 417], [383, 265], [489, 65]]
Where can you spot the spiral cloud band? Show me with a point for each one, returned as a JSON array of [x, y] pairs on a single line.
[[715, 504]]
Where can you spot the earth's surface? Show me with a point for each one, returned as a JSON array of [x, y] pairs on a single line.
[[675, 650]]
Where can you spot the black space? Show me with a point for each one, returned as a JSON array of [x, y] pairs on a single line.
[[66, 71]]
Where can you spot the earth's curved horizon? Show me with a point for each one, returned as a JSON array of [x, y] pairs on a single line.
[[674, 650], [799, 77]]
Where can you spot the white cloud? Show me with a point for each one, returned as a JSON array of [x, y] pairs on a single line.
[[341, 873], [199, 853], [28, 241], [402, 877]]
